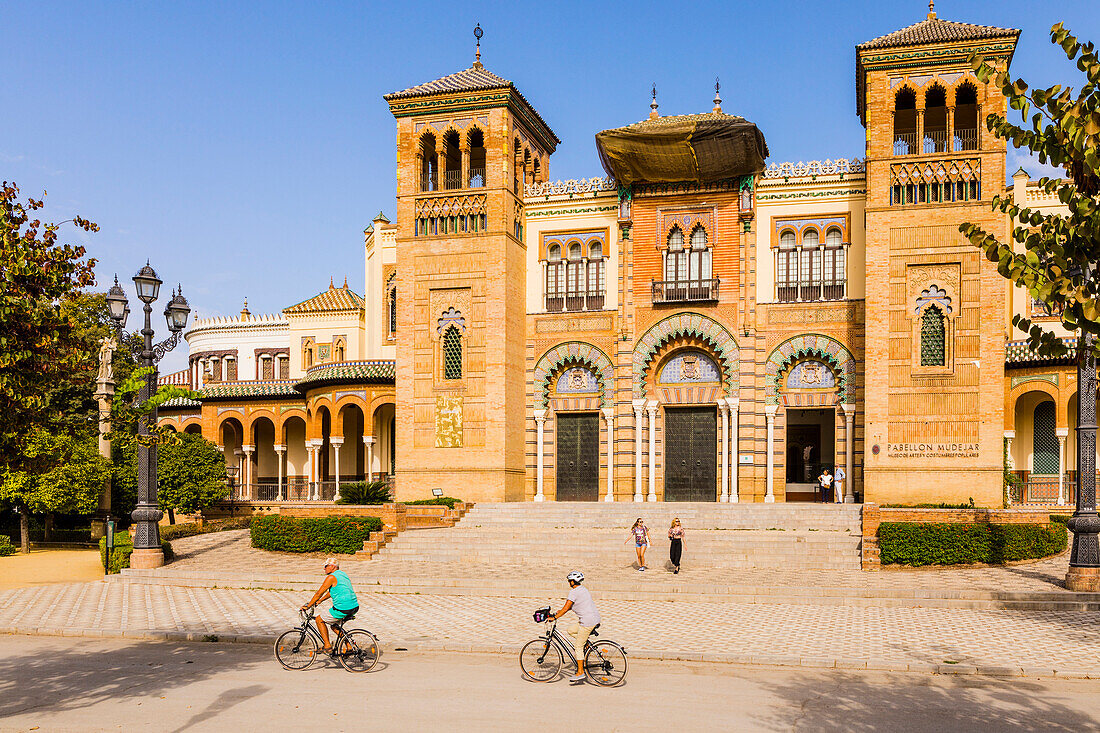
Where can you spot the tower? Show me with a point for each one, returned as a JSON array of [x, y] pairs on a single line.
[[466, 146], [935, 305]]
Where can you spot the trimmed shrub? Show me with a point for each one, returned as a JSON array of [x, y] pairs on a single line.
[[909, 543], [362, 493], [941, 505], [175, 531], [124, 547], [343, 535], [6, 547], [447, 501], [1060, 519]]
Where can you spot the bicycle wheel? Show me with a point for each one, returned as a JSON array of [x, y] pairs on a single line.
[[540, 660], [358, 651], [296, 649], [605, 663]]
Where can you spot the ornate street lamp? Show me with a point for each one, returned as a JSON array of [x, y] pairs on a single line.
[[147, 549], [230, 474]]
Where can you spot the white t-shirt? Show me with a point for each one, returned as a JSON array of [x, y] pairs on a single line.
[[584, 606]]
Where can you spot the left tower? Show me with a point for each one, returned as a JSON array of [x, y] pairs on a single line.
[[466, 146]]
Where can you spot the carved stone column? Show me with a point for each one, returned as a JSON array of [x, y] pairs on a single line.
[[1010, 435], [849, 448], [248, 450], [639, 407], [368, 441], [651, 408], [280, 455], [540, 437], [336, 442], [1062, 434], [723, 494], [735, 450], [609, 418], [769, 412]]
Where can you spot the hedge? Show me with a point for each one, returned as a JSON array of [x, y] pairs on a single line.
[[447, 501], [190, 529], [909, 543], [6, 547], [124, 546], [342, 535]]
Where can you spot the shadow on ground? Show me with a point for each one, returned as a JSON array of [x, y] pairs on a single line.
[[54, 678], [844, 702]]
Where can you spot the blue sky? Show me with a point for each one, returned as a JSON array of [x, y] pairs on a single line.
[[243, 147]]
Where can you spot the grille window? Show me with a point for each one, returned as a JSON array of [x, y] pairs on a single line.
[[452, 353], [932, 338]]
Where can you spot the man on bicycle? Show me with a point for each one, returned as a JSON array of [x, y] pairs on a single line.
[[345, 604], [581, 603]]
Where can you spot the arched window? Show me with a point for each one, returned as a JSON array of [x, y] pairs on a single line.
[[452, 163], [699, 259], [809, 276], [338, 350], [536, 171], [393, 309], [786, 268], [933, 337], [905, 122], [835, 275], [452, 353], [1044, 440], [477, 158], [555, 279], [574, 278], [307, 354], [675, 257], [966, 117], [595, 295], [935, 120], [429, 163]]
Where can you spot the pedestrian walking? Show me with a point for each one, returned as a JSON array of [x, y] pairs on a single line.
[[838, 482], [675, 544], [640, 534], [825, 483]]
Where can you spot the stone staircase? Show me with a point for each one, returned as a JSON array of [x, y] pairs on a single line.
[[782, 536]]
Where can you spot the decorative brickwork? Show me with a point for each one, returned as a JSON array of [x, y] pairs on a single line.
[[686, 324], [574, 352], [825, 348]]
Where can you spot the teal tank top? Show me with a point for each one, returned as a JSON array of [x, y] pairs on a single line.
[[343, 597]]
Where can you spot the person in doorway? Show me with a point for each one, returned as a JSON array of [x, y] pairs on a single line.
[[345, 604], [640, 534], [825, 483], [580, 602], [675, 544], [838, 483]]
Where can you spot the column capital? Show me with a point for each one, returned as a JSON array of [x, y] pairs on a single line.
[[279, 448], [1062, 433], [734, 403], [248, 448], [315, 443], [1010, 434], [639, 405], [770, 411], [723, 408], [336, 440], [368, 440], [651, 407], [608, 414], [849, 409], [540, 415]]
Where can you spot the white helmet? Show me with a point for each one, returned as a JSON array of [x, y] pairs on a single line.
[[576, 576]]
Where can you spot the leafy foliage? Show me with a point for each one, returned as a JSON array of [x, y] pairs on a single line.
[[1060, 252], [124, 547], [190, 529], [6, 547], [344, 535], [364, 493], [447, 501], [60, 473], [40, 350], [190, 472], [908, 543]]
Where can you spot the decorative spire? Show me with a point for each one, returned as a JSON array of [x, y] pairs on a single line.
[[331, 284], [478, 33], [931, 9], [245, 313], [653, 105], [345, 282], [717, 96]]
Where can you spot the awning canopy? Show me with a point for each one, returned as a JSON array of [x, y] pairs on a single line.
[[702, 148]]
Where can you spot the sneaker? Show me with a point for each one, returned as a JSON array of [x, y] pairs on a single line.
[[676, 570], [642, 568], [579, 677]]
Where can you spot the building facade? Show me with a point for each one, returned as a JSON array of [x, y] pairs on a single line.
[[699, 326]]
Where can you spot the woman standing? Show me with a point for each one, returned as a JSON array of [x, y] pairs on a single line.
[[640, 534], [676, 544]]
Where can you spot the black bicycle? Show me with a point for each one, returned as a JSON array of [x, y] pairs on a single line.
[[355, 649], [541, 659]]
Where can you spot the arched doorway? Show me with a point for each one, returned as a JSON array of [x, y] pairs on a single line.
[[689, 387], [265, 462], [296, 472]]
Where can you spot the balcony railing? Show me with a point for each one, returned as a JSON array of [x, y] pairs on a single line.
[[935, 141], [574, 302], [452, 179], [966, 139], [295, 489], [429, 182], [685, 291], [905, 143], [1031, 488], [810, 292], [477, 178]]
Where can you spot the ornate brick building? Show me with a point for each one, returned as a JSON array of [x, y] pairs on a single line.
[[698, 325]]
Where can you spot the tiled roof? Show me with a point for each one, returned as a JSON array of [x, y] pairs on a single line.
[[1019, 353], [249, 390], [475, 78], [333, 299], [349, 372], [934, 30], [657, 123], [180, 403]]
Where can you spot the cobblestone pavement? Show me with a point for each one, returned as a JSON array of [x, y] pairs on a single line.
[[222, 553], [1037, 643]]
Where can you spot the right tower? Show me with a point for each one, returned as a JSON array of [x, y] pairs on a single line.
[[935, 305]]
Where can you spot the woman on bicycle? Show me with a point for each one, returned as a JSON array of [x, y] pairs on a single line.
[[580, 602], [345, 604], [675, 543], [640, 534]]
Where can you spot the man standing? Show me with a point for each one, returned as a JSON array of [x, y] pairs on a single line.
[[345, 604], [838, 482], [588, 618]]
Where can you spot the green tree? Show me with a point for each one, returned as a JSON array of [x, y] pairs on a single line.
[[59, 473], [40, 351], [1052, 256], [191, 472]]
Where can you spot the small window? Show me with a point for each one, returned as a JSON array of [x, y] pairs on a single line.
[[676, 239], [810, 238], [933, 338], [393, 309], [786, 240], [698, 238], [452, 353], [833, 238]]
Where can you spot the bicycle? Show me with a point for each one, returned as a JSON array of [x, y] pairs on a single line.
[[541, 659], [355, 649]]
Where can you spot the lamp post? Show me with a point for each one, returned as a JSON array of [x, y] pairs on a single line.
[[230, 474], [1084, 556], [147, 549]]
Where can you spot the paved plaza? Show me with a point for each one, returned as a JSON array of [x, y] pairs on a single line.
[[905, 637]]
